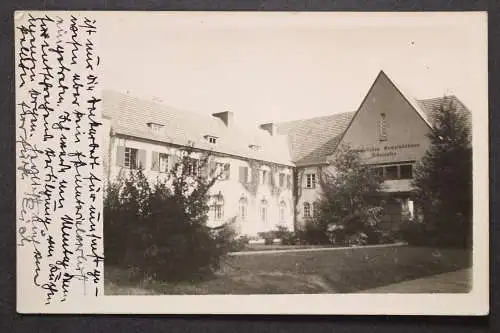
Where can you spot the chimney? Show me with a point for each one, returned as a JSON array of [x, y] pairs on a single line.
[[270, 127], [226, 117]]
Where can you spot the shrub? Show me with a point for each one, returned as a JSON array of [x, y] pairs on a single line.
[[349, 209]]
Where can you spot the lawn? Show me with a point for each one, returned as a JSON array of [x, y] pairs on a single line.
[[329, 271]]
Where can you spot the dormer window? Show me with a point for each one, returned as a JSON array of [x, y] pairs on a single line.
[[211, 139], [254, 147], [155, 127]]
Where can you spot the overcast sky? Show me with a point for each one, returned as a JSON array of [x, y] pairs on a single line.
[[277, 67]]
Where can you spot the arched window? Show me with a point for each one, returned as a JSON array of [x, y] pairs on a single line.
[[263, 210], [218, 207], [242, 209], [282, 211], [307, 209]]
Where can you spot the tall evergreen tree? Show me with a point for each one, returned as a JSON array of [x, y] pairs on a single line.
[[443, 179]]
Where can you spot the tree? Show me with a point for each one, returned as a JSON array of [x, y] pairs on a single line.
[[443, 179], [161, 228], [349, 207]]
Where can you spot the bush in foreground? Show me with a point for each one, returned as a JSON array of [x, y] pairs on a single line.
[[161, 229]]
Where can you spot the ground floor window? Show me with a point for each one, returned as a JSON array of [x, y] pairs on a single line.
[[263, 210], [242, 209], [218, 208], [282, 211], [307, 209]]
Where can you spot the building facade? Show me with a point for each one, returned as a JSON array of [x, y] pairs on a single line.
[[270, 174], [253, 166]]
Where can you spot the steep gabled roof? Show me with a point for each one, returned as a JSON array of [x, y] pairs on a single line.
[[299, 142], [431, 105], [312, 140], [129, 116]]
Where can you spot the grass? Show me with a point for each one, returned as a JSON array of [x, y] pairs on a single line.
[[330, 271]]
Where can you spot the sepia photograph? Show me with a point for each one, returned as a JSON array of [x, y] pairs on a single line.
[[248, 159], [280, 163]]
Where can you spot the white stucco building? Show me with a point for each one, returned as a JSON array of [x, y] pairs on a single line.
[[271, 172]]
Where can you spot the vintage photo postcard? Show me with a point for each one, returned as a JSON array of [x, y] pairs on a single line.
[[252, 163]]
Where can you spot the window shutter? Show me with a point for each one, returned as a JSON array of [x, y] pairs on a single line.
[[120, 156], [212, 165], [227, 171], [271, 178], [240, 174], [289, 181], [155, 162], [141, 159]]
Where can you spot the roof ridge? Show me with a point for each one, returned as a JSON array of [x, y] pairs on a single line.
[[316, 118], [160, 104]]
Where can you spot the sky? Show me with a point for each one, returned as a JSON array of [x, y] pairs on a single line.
[[283, 66]]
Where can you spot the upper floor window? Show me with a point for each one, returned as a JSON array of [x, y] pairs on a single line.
[[159, 162], [391, 172], [263, 176], [310, 180], [382, 127], [222, 170], [282, 179], [406, 171], [243, 174], [131, 158], [394, 172], [194, 167]]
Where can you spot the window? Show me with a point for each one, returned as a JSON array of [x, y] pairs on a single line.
[[263, 210], [194, 167], [243, 174], [311, 180], [391, 172], [282, 180], [282, 211], [130, 160], [218, 207], [159, 162], [379, 171], [263, 177], [288, 181], [211, 139], [406, 171], [307, 210], [315, 209], [242, 209], [154, 127], [382, 128], [222, 170]]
